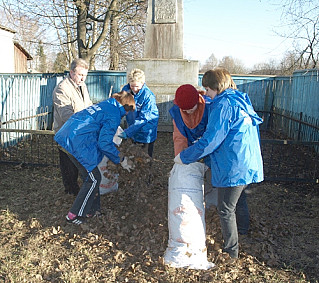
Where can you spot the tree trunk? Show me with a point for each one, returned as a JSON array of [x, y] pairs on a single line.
[[82, 8], [114, 40]]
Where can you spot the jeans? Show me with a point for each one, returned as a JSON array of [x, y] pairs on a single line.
[[88, 199], [226, 207], [69, 173], [242, 212]]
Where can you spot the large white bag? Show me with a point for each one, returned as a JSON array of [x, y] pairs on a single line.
[[109, 182], [186, 218]]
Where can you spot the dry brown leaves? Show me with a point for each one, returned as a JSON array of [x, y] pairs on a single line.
[[127, 244]]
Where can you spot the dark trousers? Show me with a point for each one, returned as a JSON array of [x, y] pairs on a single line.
[[69, 174], [148, 146], [242, 214], [88, 199], [242, 211], [226, 207]]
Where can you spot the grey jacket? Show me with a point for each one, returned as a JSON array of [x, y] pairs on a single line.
[[67, 100]]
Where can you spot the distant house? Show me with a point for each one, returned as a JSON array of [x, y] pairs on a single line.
[[13, 56]]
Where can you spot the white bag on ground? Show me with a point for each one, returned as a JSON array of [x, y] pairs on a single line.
[[109, 179], [186, 218]]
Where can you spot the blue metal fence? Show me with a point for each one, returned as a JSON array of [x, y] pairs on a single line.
[[26, 103], [306, 92], [27, 98], [102, 83]]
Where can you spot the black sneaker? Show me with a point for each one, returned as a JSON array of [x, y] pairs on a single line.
[[78, 220]]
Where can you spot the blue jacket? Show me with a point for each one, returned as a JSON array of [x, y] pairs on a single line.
[[144, 120], [88, 134], [231, 140]]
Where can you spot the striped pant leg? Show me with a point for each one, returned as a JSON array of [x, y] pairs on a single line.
[[88, 198]]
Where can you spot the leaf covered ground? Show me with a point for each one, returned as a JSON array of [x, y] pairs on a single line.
[[128, 242]]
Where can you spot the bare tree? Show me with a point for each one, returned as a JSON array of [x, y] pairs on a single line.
[[87, 28], [266, 68], [60, 63], [105, 20], [233, 65], [302, 17], [28, 32], [291, 62], [114, 42], [127, 34], [41, 65], [210, 63]]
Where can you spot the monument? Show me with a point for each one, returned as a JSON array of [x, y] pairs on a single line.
[[164, 30], [163, 60]]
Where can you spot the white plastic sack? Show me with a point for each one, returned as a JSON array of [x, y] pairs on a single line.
[[109, 180], [186, 218]]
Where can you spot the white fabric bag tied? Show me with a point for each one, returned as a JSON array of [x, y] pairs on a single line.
[[186, 218]]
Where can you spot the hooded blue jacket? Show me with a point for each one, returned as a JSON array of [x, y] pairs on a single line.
[[231, 140], [143, 121], [88, 134]]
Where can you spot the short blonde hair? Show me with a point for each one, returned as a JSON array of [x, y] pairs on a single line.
[[136, 76], [218, 79]]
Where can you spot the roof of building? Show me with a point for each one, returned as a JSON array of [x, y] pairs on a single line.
[[29, 57]]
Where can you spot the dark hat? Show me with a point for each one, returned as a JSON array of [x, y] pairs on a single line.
[[186, 97]]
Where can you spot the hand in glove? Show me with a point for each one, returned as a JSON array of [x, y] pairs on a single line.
[[178, 159], [122, 135], [127, 164]]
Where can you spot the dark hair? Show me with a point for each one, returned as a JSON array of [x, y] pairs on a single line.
[[126, 99]]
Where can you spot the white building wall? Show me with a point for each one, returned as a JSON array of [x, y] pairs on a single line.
[[6, 52]]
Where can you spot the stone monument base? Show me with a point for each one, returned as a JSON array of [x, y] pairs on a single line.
[[163, 77]]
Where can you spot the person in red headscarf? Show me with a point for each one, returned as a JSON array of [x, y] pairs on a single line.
[[190, 116]]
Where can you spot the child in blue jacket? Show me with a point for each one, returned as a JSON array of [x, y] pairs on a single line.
[[231, 140], [87, 136]]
